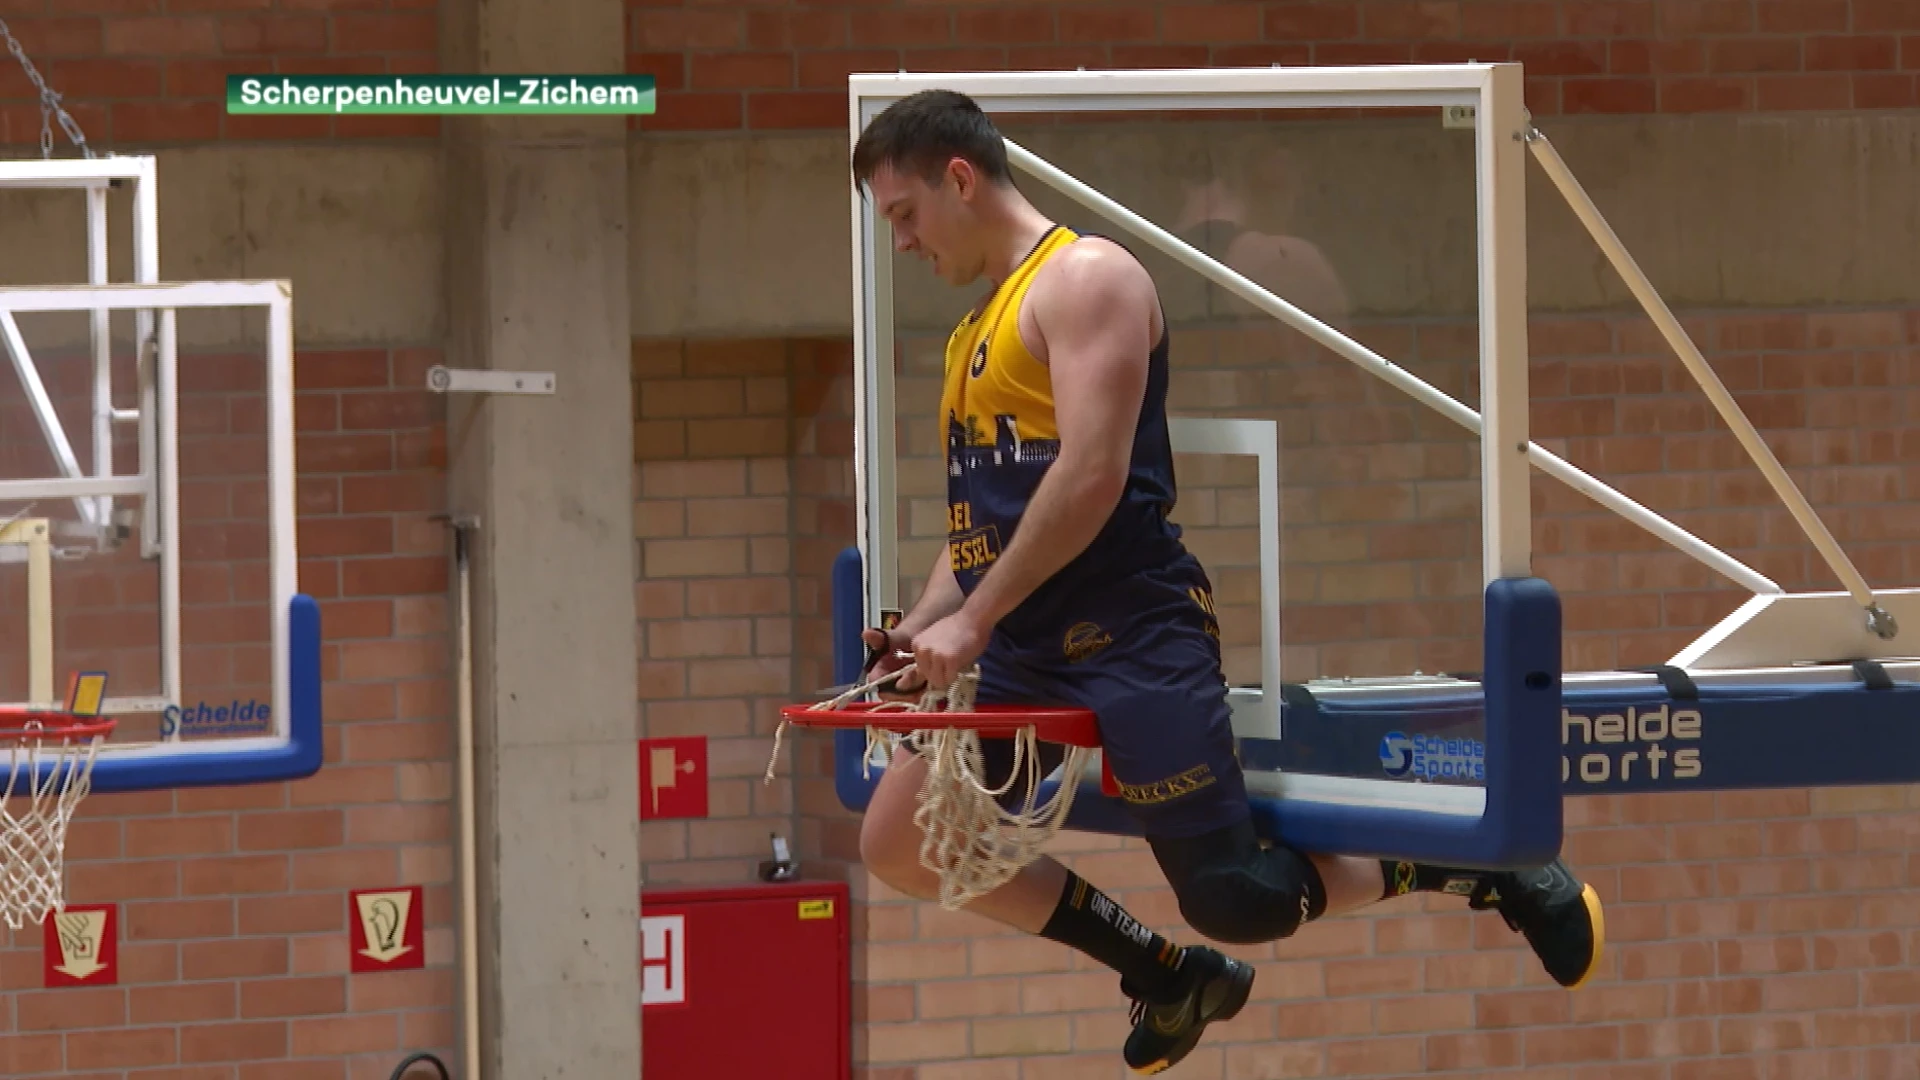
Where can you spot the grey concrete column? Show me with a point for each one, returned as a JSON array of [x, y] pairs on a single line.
[[537, 273]]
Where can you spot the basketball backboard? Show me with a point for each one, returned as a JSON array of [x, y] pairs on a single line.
[[147, 493]]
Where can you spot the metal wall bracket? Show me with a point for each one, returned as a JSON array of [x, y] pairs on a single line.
[[446, 380]]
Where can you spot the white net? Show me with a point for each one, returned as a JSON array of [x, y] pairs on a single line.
[[969, 839], [49, 771]]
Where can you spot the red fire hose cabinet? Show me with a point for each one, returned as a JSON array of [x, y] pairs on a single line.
[[746, 982]]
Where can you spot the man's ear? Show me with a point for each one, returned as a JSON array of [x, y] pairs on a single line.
[[965, 180]]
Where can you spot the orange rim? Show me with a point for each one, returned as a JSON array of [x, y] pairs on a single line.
[[19, 725]]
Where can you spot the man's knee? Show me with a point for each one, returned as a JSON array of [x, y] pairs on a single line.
[[1239, 893]]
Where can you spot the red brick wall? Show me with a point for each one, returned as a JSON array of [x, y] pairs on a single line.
[[713, 513], [233, 901], [743, 502], [785, 66], [135, 74]]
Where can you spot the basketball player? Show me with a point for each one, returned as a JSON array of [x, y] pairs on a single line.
[[1064, 580]]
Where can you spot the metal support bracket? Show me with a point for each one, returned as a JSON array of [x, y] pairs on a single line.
[[446, 380]]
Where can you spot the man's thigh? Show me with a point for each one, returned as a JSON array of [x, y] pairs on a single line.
[[1158, 692], [1166, 727]]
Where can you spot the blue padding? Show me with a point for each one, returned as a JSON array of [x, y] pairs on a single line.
[[1623, 740], [1522, 823], [208, 764], [849, 746]]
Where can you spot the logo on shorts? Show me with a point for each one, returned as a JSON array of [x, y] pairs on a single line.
[[1173, 787], [1084, 640], [1202, 598]]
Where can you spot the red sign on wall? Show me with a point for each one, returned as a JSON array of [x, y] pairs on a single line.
[[673, 778], [388, 929], [80, 946]]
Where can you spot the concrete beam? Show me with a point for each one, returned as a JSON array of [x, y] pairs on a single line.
[[537, 258]]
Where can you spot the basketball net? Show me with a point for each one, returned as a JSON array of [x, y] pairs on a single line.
[[49, 771], [973, 843]]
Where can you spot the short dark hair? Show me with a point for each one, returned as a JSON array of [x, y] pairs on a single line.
[[924, 131]]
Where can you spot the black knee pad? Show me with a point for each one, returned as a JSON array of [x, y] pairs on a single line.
[[1234, 891]]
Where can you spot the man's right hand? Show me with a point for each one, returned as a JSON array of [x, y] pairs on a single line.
[[891, 652]]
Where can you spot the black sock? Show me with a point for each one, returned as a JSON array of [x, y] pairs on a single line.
[[1092, 922], [1400, 878]]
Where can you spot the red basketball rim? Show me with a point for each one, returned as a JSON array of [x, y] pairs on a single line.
[[17, 725], [1074, 727]]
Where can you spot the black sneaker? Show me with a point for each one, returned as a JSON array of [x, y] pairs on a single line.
[[1212, 987], [1559, 915]]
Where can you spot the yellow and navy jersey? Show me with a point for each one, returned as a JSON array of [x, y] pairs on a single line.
[[998, 408]]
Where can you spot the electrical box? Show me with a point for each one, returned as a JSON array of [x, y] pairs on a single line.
[[746, 981]]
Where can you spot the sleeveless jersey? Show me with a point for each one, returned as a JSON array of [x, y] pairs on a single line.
[[998, 407]]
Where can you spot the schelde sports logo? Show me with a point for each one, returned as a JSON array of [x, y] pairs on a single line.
[[1429, 757], [1608, 746], [208, 718], [1660, 743]]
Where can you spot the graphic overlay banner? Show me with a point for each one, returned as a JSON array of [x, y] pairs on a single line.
[[388, 929], [80, 946], [439, 95]]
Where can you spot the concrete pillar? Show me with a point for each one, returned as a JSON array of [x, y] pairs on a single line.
[[537, 272]]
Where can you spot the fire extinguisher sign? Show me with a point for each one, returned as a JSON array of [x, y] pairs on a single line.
[[663, 960]]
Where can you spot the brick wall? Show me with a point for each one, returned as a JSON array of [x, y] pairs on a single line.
[[233, 901], [135, 74], [713, 514], [785, 66]]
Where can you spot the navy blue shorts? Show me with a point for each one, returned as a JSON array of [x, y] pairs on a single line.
[[1144, 655]]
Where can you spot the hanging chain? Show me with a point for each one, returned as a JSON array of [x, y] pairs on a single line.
[[50, 107]]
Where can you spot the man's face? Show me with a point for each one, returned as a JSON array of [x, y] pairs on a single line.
[[933, 221]]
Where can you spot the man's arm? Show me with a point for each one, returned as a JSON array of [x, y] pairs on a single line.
[[1095, 318]]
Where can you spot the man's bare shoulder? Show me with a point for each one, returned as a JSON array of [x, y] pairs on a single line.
[[1098, 263], [1091, 282]]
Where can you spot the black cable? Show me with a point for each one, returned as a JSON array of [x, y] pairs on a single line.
[[417, 1059]]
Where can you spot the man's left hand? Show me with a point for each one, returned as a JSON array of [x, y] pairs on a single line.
[[947, 648]]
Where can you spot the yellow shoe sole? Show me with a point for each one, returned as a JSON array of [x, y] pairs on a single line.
[[1598, 916]]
